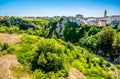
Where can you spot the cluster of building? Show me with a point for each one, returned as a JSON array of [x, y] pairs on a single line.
[[100, 21]]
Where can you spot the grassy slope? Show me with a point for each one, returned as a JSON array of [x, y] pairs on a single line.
[[89, 64], [92, 66]]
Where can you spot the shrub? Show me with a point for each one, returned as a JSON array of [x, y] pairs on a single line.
[[5, 46], [108, 64], [101, 62], [47, 62], [48, 56], [118, 66], [62, 73], [11, 50], [18, 71], [38, 74], [113, 69]]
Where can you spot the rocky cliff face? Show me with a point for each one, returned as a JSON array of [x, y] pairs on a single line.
[[117, 60], [115, 24], [61, 25]]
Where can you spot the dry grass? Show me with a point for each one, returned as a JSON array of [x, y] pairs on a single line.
[[6, 62], [74, 74], [9, 38], [114, 71]]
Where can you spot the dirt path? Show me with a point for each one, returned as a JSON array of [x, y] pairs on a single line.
[[74, 74], [9, 38], [6, 62]]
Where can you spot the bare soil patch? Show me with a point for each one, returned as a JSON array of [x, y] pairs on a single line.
[[6, 62], [74, 74], [9, 38]]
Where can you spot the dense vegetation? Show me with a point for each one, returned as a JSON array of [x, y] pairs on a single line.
[[45, 55]]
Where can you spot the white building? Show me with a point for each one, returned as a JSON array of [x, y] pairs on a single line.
[[101, 22], [92, 21]]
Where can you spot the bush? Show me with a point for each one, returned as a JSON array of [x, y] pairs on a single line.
[[118, 66], [3, 29], [93, 30], [11, 50], [62, 73], [47, 62], [18, 71], [38, 74], [108, 64], [113, 69], [48, 56], [101, 62], [5, 46]]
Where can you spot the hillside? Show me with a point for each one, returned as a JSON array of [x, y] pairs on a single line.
[[40, 48]]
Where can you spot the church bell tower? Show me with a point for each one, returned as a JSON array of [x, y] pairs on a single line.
[[105, 13]]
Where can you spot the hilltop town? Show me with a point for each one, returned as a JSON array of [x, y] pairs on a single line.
[[113, 20]]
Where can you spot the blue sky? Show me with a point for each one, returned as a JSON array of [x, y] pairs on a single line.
[[59, 7]]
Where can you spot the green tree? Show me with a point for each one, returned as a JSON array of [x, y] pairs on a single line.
[[106, 38], [5, 46], [47, 56], [117, 39], [71, 32], [93, 30]]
